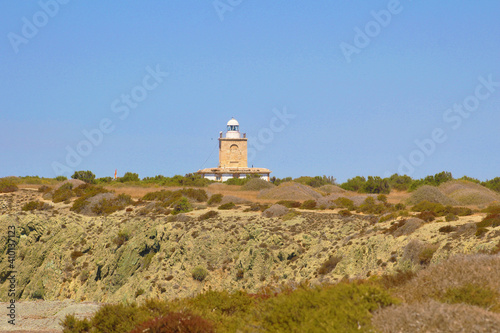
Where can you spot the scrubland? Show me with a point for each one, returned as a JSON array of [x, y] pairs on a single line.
[[259, 257]]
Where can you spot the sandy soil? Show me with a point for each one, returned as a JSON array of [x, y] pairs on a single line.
[[44, 316]]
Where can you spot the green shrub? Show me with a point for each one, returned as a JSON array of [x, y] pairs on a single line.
[[472, 294], [181, 206], [7, 185], [129, 177], [44, 189], [104, 180], [370, 207], [329, 265], [399, 183], [345, 213], [493, 184], [425, 256], [109, 206], [309, 204], [199, 273], [451, 217], [227, 206], [492, 209], [71, 324], [316, 181], [176, 322], [35, 205], [290, 215], [86, 176], [435, 180], [338, 308], [491, 220], [61, 178], [354, 184], [215, 199], [382, 198], [208, 215], [375, 185], [122, 237], [63, 193], [346, 203]]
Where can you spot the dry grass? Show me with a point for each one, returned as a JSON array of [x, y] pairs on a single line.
[[458, 271], [432, 316]]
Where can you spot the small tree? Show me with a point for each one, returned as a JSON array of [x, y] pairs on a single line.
[[86, 176], [129, 177]]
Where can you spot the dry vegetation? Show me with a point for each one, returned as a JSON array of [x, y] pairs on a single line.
[[399, 255]]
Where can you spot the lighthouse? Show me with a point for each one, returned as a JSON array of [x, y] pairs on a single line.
[[233, 148], [233, 156]]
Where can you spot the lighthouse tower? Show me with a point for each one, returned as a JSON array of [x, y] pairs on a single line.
[[233, 148], [233, 157]]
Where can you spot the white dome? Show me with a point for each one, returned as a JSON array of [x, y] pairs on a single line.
[[233, 122]]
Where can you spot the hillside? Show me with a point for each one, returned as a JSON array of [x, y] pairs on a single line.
[[126, 256]]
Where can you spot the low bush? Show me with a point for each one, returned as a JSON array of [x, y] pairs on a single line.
[[346, 203], [338, 308], [447, 229], [427, 216], [491, 220], [199, 273], [35, 205], [369, 206], [44, 189], [345, 213], [289, 203], [215, 199], [472, 294], [181, 206], [176, 322], [63, 193], [109, 206], [309, 204], [227, 206], [208, 215], [129, 177], [329, 265], [86, 176]]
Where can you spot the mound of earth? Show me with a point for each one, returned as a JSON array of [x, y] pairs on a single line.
[[431, 194], [231, 198], [469, 193], [276, 211], [257, 184], [331, 189], [290, 191], [74, 182]]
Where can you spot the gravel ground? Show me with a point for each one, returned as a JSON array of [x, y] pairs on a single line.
[[43, 316]]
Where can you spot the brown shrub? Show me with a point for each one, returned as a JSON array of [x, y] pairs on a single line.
[[329, 265], [433, 282], [432, 316], [176, 322]]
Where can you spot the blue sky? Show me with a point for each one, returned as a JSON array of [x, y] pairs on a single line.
[[357, 103]]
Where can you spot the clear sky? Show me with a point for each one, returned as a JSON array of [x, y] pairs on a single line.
[[339, 88]]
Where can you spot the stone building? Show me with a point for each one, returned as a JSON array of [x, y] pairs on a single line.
[[233, 157]]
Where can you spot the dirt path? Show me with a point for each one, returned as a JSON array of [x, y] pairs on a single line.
[[43, 316]]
